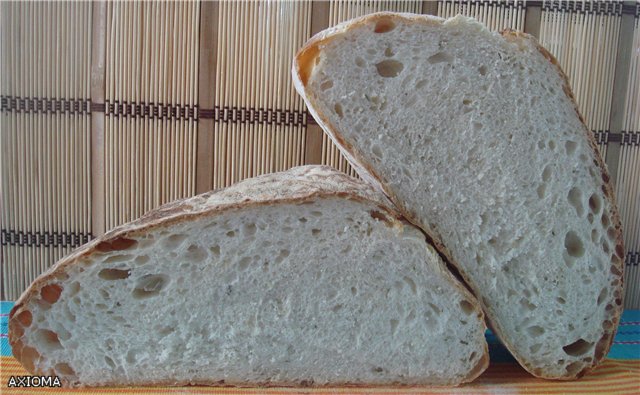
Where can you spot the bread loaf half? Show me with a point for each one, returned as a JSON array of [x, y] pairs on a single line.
[[307, 277], [475, 136]]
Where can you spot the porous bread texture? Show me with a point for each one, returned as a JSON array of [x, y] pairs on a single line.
[[302, 278], [476, 138]]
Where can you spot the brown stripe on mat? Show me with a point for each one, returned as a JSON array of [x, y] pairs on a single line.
[[44, 239], [223, 114], [44, 105]]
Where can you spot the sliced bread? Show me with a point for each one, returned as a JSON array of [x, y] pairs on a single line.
[[307, 277], [475, 136]]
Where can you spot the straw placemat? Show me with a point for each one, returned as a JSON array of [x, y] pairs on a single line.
[[613, 377]]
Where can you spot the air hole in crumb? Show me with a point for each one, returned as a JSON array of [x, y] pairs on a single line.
[[384, 25], [315, 232], [25, 318], [440, 57], [570, 147], [604, 220], [47, 340], [338, 109], [231, 233], [394, 326], [132, 356], [172, 242], [535, 348], [195, 254], [65, 369], [577, 348], [477, 126], [244, 263], [482, 70], [215, 251], [575, 199], [281, 256], [316, 213], [389, 68], [420, 84], [50, 293], [602, 296], [574, 368], [561, 300], [535, 330], [326, 85], [354, 290], [377, 151], [573, 244], [118, 258], [526, 304], [546, 173], [552, 144], [411, 284], [110, 362], [141, 259], [595, 203], [541, 190], [249, 229], [336, 308], [466, 307], [360, 62], [612, 234], [150, 285], [388, 52]]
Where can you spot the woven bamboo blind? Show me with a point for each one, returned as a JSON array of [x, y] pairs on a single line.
[[495, 15], [260, 122], [151, 92], [195, 96], [628, 180], [45, 136]]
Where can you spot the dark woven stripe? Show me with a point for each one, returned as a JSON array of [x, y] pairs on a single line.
[[41, 105], [150, 110], [630, 139], [519, 4], [632, 258], [602, 136], [11, 237], [265, 116], [592, 7], [222, 114]]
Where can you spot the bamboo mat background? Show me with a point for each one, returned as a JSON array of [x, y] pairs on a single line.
[[109, 109]]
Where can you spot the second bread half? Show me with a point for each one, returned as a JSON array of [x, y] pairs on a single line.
[[476, 137]]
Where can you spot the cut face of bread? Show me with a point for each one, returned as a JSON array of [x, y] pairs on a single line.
[[306, 277], [476, 138]]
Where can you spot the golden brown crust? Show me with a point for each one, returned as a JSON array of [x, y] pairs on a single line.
[[367, 172]]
